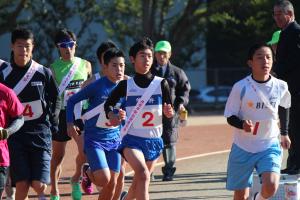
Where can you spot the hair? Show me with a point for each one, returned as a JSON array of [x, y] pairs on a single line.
[[21, 33], [285, 6], [104, 46], [255, 47], [143, 44], [64, 34], [112, 53]]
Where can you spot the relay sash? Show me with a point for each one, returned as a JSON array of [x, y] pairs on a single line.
[[140, 104], [68, 77], [27, 77]]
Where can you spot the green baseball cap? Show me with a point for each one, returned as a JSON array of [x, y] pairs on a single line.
[[275, 38], [163, 45]]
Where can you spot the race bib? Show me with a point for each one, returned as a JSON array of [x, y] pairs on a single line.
[[102, 122], [265, 129], [32, 110], [148, 119], [68, 93]]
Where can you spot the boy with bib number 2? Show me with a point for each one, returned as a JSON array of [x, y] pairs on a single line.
[[147, 98], [252, 108], [30, 147]]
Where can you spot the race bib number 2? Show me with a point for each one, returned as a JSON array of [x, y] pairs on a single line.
[[32, 110], [148, 119]]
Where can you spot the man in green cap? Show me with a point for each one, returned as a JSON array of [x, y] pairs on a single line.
[[273, 42], [180, 88]]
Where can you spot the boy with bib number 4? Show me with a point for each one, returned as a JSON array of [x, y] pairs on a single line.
[[147, 98], [30, 147], [253, 107]]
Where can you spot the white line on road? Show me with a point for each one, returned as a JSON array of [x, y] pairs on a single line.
[[188, 157]]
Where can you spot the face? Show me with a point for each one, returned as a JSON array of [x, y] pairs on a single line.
[[115, 69], [67, 49], [281, 18], [162, 57], [142, 61], [22, 50], [261, 63]]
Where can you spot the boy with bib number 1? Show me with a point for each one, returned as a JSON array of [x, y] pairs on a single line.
[[147, 98], [252, 108]]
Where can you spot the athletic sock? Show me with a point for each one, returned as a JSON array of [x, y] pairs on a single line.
[[259, 197]]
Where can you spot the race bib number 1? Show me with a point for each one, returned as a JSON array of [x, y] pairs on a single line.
[[32, 110]]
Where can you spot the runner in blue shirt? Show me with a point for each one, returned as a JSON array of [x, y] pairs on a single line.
[[101, 140]]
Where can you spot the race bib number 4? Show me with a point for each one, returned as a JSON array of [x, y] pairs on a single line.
[[32, 110], [148, 119]]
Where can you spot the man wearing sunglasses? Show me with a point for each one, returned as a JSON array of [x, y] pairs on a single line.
[[70, 72]]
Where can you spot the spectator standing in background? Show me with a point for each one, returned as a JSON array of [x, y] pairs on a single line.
[[179, 88], [287, 68]]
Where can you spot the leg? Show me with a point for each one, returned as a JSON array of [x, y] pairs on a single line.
[[80, 159], [241, 194], [3, 178], [270, 183], [120, 181], [169, 155], [139, 188], [22, 188], [108, 190], [58, 153], [39, 188], [9, 189]]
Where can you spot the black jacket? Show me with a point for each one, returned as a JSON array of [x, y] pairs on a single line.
[[180, 89], [287, 66]]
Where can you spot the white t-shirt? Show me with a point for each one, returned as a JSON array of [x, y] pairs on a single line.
[[247, 101]]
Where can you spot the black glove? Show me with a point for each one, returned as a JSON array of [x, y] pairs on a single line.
[[79, 123], [3, 134]]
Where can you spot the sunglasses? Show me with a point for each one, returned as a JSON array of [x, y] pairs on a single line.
[[66, 44]]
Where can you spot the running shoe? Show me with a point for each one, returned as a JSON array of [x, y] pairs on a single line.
[[123, 195], [54, 197], [86, 183], [76, 192]]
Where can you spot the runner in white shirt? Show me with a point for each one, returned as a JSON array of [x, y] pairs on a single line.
[[253, 108]]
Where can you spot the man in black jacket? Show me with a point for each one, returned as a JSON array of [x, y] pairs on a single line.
[[180, 88], [287, 68]]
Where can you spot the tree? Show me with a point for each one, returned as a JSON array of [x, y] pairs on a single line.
[[180, 22]]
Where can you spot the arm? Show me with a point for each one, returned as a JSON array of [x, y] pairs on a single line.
[[284, 122], [167, 101], [84, 93], [116, 94], [54, 100], [182, 90], [13, 127]]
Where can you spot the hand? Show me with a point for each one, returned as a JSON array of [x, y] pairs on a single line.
[[72, 130], [3, 134], [248, 126], [122, 114], [115, 119], [168, 110], [181, 107], [285, 141]]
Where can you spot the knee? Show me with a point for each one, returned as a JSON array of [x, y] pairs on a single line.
[[39, 187], [143, 175], [269, 189], [101, 180]]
